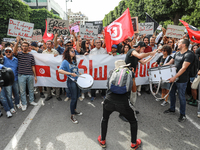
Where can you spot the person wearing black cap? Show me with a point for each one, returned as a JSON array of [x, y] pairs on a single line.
[[134, 56]]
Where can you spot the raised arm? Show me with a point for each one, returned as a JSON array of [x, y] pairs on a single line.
[[55, 41], [77, 45], [16, 45], [143, 55]]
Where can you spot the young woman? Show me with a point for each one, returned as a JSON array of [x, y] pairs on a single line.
[[171, 43], [165, 58], [125, 49], [69, 67]]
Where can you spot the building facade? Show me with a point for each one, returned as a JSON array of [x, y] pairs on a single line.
[[50, 5], [74, 17]]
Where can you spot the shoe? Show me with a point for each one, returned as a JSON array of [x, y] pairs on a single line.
[[182, 118], [66, 99], [80, 98], [169, 111], [138, 92], [19, 106], [24, 107], [54, 93], [89, 94], [92, 99], [198, 115], [164, 103], [48, 98], [1, 114], [102, 143], [123, 118], [78, 113], [12, 111], [193, 103], [42, 95], [8, 114], [83, 96], [137, 112], [159, 99], [189, 99], [137, 145], [59, 99], [74, 120], [34, 103]]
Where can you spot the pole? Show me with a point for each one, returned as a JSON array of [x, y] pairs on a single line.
[[37, 4]]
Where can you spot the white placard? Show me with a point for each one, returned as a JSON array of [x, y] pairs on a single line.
[[88, 32], [20, 28], [146, 28], [175, 31]]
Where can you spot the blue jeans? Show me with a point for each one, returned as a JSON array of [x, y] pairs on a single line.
[[23, 79], [15, 89], [75, 92], [7, 103], [181, 94], [68, 94]]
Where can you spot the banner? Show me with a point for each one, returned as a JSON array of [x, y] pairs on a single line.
[[75, 28], [9, 39], [20, 28], [135, 24], [97, 66], [57, 26], [88, 32], [175, 31], [37, 35], [95, 23], [146, 28]]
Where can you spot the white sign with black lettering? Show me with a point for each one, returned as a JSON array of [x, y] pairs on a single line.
[[89, 32]]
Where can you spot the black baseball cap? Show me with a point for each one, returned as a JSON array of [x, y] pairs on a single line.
[[141, 44]]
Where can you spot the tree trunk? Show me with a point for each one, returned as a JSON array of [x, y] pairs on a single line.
[[176, 18]]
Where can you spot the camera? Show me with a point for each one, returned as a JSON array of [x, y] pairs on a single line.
[[6, 77]]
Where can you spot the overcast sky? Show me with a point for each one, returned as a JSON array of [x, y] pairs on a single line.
[[93, 9]]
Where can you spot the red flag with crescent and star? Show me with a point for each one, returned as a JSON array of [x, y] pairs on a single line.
[[119, 30], [47, 36]]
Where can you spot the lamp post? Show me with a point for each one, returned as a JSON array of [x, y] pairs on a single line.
[[66, 8], [37, 4]]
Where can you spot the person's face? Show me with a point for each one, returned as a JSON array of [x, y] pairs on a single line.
[[72, 52], [152, 41], [68, 44], [146, 41], [98, 44], [8, 53], [58, 41], [19, 49], [170, 42], [164, 52], [194, 49], [11, 45], [114, 50], [25, 47], [142, 50], [49, 45], [33, 47], [126, 49], [29, 48], [87, 44], [180, 45]]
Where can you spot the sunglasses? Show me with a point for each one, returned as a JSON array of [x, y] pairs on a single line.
[[8, 52], [163, 50], [170, 42], [72, 51]]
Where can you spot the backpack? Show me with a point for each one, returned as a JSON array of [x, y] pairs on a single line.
[[120, 81]]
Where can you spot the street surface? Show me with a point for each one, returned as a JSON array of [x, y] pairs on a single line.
[[48, 127]]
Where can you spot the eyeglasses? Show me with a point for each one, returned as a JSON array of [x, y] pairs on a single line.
[[170, 42], [72, 51], [24, 46], [163, 50], [8, 52], [69, 45], [98, 42]]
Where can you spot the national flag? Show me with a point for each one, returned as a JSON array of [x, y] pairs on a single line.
[[42, 71], [150, 19], [119, 30], [193, 32], [47, 36]]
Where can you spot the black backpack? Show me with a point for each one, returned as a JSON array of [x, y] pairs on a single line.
[[194, 66]]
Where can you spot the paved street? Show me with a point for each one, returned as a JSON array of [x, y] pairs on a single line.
[[48, 127]]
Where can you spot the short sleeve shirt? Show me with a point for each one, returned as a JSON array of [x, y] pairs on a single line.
[[72, 68], [131, 59], [160, 61], [98, 51], [25, 63], [60, 49], [53, 51], [178, 62]]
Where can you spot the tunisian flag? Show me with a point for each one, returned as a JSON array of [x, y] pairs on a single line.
[[193, 32], [47, 36], [119, 30], [42, 71]]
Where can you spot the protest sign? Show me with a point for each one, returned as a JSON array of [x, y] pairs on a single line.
[[74, 24], [175, 31], [146, 28], [95, 23], [20, 28], [57, 26], [135, 24], [100, 36], [88, 32], [75, 28], [37, 35], [9, 39], [159, 27]]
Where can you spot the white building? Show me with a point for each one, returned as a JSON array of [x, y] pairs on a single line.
[[74, 17], [49, 5]]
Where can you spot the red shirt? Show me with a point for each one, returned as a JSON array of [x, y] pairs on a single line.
[[147, 49]]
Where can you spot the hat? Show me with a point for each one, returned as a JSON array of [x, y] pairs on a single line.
[[39, 44], [121, 63], [141, 44], [67, 41], [34, 44], [8, 48], [114, 46]]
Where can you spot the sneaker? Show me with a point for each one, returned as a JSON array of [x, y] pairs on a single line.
[[164, 103], [82, 95], [92, 99], [198, 115], [24, 107], [8, 114], [42, 95], [80, 98], [48, 98], [66, 99], [138, 92], [169, 111], [78, 113], [59, 99], [74, 120], [189, 99], [182, 118], [19, 106], [89, 94], [34, 103], [159, 99], [1, 114], [53, 93], [102, 143], [12, 111], [193, 103], [137, 145]]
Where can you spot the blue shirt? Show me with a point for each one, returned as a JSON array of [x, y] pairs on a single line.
[[1, 66], [60, 49], [13, 64], [72, 68]]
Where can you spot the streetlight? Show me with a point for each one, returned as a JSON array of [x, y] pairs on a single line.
[[37, 3], [66, 8]]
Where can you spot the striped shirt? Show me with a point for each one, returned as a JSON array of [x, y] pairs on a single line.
[[25, 63]]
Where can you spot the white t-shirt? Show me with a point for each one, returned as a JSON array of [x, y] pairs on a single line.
[[98, 51]]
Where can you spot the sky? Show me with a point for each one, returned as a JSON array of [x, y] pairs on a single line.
[[94, 9]]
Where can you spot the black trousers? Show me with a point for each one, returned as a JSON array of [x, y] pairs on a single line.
[[93, 92], [126, 111]]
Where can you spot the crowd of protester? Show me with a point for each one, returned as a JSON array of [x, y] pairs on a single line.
[[17, 56]]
